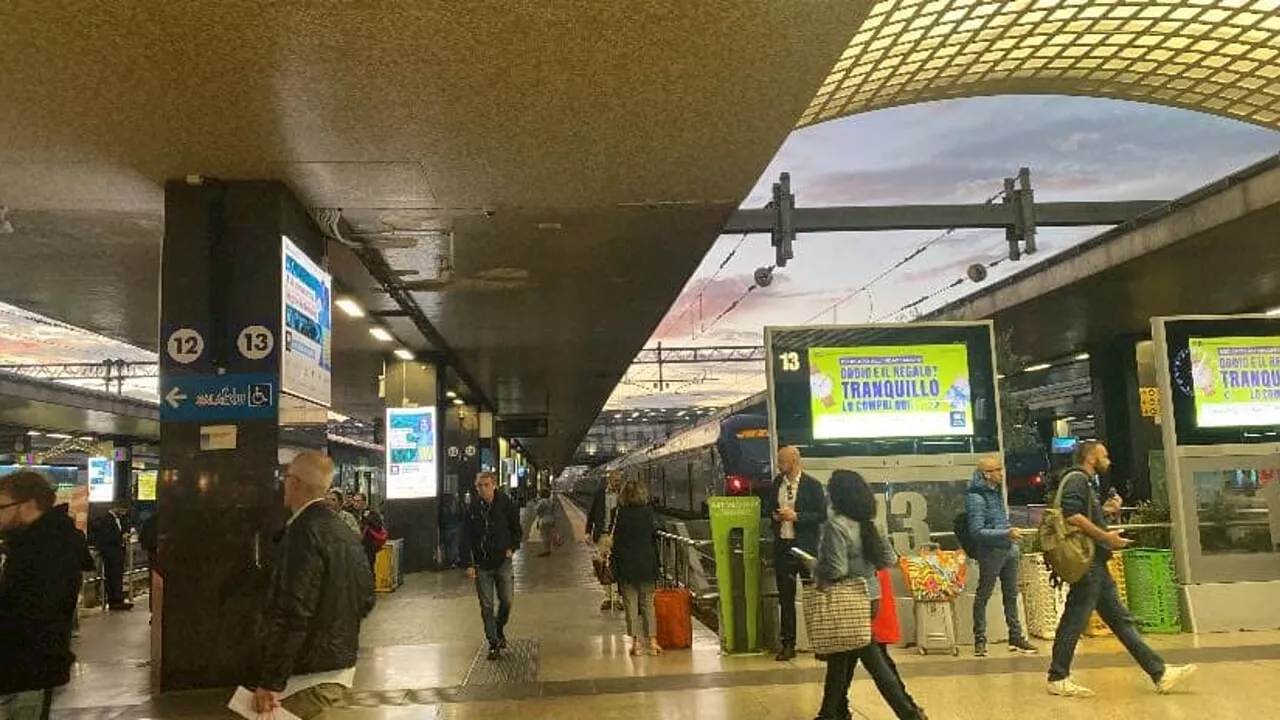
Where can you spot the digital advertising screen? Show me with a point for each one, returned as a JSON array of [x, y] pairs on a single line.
[[102, 479], [147, 485], [1224, 378], [412, 443], [882, 390], [1235, 381], [890, 391], [306, 357]]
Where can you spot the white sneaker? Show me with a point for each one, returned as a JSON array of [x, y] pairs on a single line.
[[1067, 687], [1174, 675]]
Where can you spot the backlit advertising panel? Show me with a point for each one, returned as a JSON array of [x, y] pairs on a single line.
[[412, 453], [102, 479], [306, 361]]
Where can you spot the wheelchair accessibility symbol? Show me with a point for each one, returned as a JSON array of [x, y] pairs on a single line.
[[260, 395]]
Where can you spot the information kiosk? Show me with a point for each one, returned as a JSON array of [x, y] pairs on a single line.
[[1220, 403], [910, 407]]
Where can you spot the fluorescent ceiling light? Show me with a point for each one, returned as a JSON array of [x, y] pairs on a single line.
[[350, 307], [404, 354], [59, 436], [33, 433], [380, 334], [450, 394], [1274, 311], [1081, 357], [1037, 368], [459, 401]]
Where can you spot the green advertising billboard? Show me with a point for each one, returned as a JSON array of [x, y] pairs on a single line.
[[735, 523], [890, 391]]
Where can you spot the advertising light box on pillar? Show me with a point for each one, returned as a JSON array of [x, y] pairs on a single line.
[[910, 407], [412, 451], [306, 323], [102, 480]]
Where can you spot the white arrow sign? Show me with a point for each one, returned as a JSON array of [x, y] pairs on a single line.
[[175, 397]]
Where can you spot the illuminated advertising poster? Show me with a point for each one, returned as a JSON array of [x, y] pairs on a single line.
[[882, 391], [1236, 381], [147, 485], [102, 479], [306, 360], [411, 453]]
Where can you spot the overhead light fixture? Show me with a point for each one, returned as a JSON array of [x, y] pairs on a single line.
[[404, 354], [450, 394], [1037, 368], [350, 307], [59, 436], [1081, 357], [380, 334], [459, 401], [34, 433], [1274, 311]]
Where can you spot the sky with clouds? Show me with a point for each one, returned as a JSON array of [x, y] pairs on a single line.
[[955, 151]]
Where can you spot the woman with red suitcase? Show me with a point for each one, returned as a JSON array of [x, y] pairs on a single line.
[[635, 564]]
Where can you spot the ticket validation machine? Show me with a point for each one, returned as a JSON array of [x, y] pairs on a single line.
[[1219, 380], [912, 408]]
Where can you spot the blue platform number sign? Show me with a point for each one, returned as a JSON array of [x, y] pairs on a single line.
[[202, 398]]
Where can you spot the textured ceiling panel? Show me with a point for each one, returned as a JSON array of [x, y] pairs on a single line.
[[1214, 56]]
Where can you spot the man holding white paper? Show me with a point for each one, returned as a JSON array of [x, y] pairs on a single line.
[[321, 589]]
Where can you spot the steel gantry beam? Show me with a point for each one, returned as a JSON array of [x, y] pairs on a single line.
[[1016, 212], [109, 371], [662, 355]]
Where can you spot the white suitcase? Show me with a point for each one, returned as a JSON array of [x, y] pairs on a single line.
[[936, 628]]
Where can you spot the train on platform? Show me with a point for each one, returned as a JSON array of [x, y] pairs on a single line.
[[727, 454]]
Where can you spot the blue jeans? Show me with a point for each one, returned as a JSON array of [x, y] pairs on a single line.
[[997, 564], [495, 587], [1096, 590]]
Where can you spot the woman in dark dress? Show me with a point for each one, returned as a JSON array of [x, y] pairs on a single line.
[[635, 564]]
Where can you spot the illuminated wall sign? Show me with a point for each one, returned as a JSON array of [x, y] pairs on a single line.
[[412, 447], [147, 485], [306, 362], [102, 479]]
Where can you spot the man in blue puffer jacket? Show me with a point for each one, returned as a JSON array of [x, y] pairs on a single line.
[[997, 550]]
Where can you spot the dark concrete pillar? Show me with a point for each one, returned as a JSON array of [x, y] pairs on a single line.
[[1129, 435], [416, 521], [219, 498], [123, 459]]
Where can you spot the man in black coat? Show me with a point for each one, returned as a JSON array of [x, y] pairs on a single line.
[[321, 589], [110, 534], [798, 507], [491, 537], [38, 590]]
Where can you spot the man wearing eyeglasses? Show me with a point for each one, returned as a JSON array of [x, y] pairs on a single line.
[[798, 507], [38, 591], [998, 555], [321, 589]]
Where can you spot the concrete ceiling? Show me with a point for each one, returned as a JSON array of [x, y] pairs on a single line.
[[584, 156]]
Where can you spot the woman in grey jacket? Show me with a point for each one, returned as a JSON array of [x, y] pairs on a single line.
[[852, 547]]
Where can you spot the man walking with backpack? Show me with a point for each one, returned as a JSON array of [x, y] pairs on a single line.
[[993, 542], [1077, 501]]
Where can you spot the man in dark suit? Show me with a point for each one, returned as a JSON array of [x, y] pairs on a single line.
[[798, 507], [109, 533]]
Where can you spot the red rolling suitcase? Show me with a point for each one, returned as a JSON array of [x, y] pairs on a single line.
[[674, 610]]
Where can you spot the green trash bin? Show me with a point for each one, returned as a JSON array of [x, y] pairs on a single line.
[[1153, 590]]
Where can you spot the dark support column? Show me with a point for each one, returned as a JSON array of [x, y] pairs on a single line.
[[219, 502], [1129, 436], [124, 471], [415, 520]]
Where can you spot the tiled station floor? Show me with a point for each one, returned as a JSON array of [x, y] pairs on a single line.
[[421, 658]]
